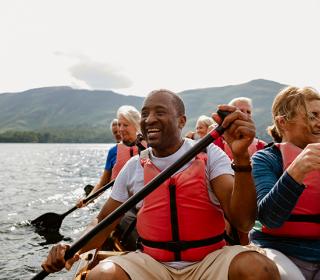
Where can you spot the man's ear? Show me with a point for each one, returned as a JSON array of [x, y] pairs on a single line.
[[182, 121]]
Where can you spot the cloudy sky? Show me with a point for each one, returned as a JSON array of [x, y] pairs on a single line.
[[133, 47]]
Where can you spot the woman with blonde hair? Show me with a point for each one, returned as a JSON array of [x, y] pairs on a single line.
[[287, 176], [203, 125]]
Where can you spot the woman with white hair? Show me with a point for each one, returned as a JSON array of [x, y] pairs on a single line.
[[129, 129]]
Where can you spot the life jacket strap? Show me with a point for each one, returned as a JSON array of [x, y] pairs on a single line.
[[304, 218], [181, 245]]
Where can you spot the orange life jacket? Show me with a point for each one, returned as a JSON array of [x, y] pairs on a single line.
[[178, 221], [304, 221], [124, 153]]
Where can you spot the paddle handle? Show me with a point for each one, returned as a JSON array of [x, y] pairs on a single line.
[[99, 191], [41, 275], [95, 194]]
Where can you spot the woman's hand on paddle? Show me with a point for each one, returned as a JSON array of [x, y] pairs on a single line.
[[240, 130], [80, 202], [55, 260]]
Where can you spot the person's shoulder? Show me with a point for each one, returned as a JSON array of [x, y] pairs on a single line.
[[270, 151], [112, 153], [113, 148], [187, 145], [217, 157], [189, 142], [133, 160], [260, 144], [213, 148], [269, 158]]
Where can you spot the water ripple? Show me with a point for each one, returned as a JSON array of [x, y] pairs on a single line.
[[36, 179]]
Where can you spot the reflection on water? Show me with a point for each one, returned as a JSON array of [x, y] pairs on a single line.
[[37, 179], [50, 236]]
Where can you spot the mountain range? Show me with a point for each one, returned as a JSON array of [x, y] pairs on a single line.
[[64, 109]]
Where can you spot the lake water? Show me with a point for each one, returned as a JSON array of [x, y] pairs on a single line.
[[40, 178]]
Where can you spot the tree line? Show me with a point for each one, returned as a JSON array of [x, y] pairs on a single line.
[[76, 135], [84, 135]]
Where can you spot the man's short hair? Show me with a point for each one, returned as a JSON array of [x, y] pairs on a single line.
[[178, 102]]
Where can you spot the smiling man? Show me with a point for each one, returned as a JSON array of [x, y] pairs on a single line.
[[181, 223]]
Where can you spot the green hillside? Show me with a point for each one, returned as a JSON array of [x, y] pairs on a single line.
[[205, 101], [63, 114], [60, 107]]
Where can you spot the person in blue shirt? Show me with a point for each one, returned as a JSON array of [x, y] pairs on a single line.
[[287, 176]]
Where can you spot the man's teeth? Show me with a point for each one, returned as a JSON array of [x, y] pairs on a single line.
[[153, 130]]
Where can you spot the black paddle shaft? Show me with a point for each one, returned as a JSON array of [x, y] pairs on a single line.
[[53, 221], [147, 189]]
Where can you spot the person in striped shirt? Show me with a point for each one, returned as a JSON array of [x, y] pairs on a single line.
[[287, 176]]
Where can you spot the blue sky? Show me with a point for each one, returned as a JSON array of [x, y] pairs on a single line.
[[133, 47]]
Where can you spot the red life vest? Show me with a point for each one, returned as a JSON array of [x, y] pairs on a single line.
[[124, 153], [305, 217], [178, 221]]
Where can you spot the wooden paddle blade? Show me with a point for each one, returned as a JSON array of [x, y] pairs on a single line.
[[48, 220]]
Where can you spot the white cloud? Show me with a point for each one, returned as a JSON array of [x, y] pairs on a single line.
[[99, 76]]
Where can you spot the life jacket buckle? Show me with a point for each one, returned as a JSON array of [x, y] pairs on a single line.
[[176, 246]]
